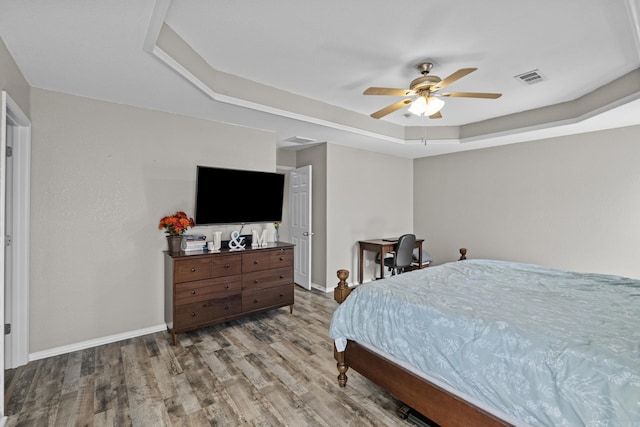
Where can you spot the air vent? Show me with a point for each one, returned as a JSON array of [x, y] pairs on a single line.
[[301, 140], [531, 77]]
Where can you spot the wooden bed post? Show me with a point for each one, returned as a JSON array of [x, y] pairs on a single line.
[[340, 293], [342, 367]]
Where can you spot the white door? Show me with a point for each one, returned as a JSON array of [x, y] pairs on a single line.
[[300, 224]]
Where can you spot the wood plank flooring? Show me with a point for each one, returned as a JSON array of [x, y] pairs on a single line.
[[272, 369]]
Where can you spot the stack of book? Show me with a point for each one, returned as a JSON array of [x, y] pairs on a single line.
[[194, 242]]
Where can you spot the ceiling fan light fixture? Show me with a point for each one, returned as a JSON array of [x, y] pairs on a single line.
[[426, 106]]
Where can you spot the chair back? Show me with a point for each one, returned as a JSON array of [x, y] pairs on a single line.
[[404, 250]]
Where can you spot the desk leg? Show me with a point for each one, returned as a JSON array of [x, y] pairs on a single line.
[[382, 254], [361, 262]]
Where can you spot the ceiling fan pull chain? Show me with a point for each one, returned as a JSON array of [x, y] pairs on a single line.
[[424, 130]]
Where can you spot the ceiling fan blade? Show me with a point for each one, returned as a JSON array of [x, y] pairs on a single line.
[[472, 95], [391, 108], [388, 91], [452, 78], [436, 115]]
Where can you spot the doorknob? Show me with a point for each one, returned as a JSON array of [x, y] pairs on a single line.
[[306, 233]]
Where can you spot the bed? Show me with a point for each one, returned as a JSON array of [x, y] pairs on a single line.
[[492, 343]]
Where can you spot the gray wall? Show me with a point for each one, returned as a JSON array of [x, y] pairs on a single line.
[[369, 195], [317, 157], [571, 202], [103, 175], [357, 195], [11, 79]]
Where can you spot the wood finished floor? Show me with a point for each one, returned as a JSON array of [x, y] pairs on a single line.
[[272, 369]]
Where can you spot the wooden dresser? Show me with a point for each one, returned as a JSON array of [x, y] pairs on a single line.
[[205, 288]]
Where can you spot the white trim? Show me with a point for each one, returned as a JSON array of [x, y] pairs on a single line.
[[3, 185], [95, 342], [633, 7], [321, 288], [158, 15], [21, 232], [190, 77], [153, 32]]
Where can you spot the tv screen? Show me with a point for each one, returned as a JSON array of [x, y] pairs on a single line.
[[232, 196]]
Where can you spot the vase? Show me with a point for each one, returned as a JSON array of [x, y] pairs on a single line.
[[276, 236], [174, 244]]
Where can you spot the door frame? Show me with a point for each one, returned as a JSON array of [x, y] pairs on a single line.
[[21, 143]]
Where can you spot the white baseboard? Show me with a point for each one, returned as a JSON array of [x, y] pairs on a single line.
[[320, 288], [95, 342]]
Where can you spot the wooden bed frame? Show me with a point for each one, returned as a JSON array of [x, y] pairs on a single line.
[[435, 403]]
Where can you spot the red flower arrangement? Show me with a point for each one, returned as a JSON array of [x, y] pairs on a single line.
[[176, 224]]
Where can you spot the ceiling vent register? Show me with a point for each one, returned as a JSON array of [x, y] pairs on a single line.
[[531, 77], [301, 140]]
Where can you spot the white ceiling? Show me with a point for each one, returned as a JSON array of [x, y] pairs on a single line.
[[299, 68]]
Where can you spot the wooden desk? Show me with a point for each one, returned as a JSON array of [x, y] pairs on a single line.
[[383, 246]]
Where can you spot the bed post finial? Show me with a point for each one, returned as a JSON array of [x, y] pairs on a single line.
[[463, 254], [342, 291]]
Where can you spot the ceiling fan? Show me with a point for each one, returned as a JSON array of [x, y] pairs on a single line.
[[423, 93]]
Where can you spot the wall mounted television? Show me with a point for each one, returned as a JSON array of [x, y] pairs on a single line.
[[234, 196]]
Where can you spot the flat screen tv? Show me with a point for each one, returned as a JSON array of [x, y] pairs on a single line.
[[233, 196]]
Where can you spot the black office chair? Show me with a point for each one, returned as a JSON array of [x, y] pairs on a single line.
[[403, 256]]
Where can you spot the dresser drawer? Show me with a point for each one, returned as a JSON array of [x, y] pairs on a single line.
[[187, 270], [203, 290], [226, 265], [272, 297], [206, 311], [255, 261], [225, 307], [281, 258], [267, 278]]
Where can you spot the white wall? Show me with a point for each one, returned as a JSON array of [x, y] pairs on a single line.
[[571, 202], [103, 175]]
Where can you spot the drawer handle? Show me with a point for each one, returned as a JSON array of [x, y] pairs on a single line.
[[193, 270], [226, 286], [255, 281], [226, 307], [281, 258], [256, 261], [281, 295], [282, 276], [255, 301], [193, 314], [193, 292], [226, 266]]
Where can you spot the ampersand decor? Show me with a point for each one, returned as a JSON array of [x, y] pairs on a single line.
[[236, 242]]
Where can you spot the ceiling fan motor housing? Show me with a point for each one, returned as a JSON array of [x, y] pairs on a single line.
[[424, 82]]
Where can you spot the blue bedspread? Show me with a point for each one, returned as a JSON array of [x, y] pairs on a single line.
[[548, 347]]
